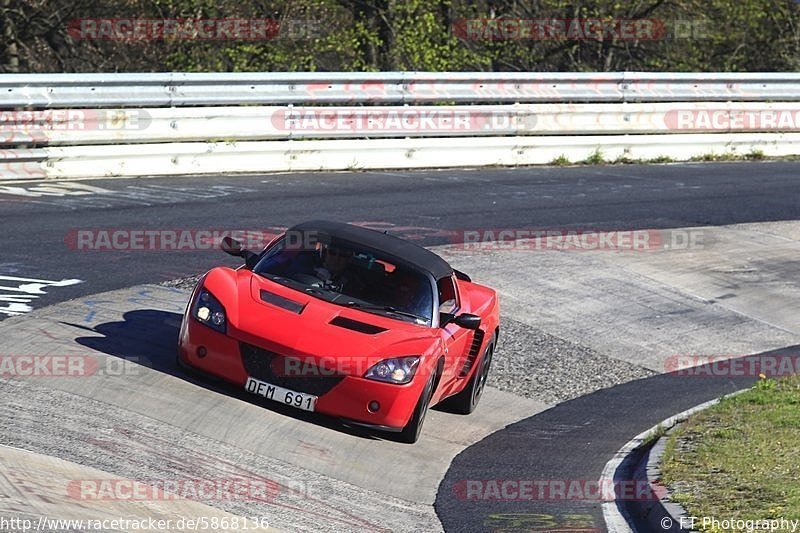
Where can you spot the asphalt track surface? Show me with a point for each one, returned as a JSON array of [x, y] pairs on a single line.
[[35, 228], [570, 441]]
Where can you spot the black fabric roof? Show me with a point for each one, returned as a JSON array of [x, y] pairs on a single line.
[[404, 251]]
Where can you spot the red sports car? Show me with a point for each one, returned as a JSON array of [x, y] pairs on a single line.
[[345, 321]]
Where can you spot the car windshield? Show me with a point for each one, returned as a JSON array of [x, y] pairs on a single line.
[[352, 277]]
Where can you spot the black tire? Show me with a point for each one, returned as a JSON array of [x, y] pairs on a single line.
[[467, 400], [411, 432]]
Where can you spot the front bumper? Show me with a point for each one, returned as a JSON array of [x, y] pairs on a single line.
[[342, 396]]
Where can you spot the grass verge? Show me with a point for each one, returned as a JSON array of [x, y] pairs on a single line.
[[739, 459]]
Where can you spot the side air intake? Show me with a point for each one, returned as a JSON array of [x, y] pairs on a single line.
[[474, 351]]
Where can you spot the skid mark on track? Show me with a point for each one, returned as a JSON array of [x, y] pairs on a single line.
[[75, 195]]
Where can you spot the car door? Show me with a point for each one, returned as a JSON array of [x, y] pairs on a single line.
[[456, 339]]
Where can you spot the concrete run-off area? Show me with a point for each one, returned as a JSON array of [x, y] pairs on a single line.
[[573, 322]]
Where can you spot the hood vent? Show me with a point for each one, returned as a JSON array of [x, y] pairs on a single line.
[[355, 325], [284, 303]]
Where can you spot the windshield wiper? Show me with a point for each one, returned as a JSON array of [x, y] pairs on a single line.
[[387, 308]]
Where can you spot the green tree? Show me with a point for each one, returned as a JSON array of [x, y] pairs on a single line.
[[368, 35]]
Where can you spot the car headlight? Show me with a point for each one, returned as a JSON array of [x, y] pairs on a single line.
[[210, 312], [396, 370]]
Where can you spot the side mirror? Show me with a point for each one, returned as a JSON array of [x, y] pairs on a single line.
[[235, 248], [468, 321], [232, 247], [464, 320]]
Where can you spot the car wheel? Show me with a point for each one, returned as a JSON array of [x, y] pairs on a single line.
[[467, 400], [411, 432]]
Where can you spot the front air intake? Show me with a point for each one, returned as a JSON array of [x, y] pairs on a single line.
[[275, 369]]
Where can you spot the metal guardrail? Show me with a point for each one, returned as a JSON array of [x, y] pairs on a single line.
[[276, 88], [177, 159], [74, 125]]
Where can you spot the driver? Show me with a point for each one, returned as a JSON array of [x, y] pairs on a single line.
[[334, 264]]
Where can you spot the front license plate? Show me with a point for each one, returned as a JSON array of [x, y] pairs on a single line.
[[301, 400]]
